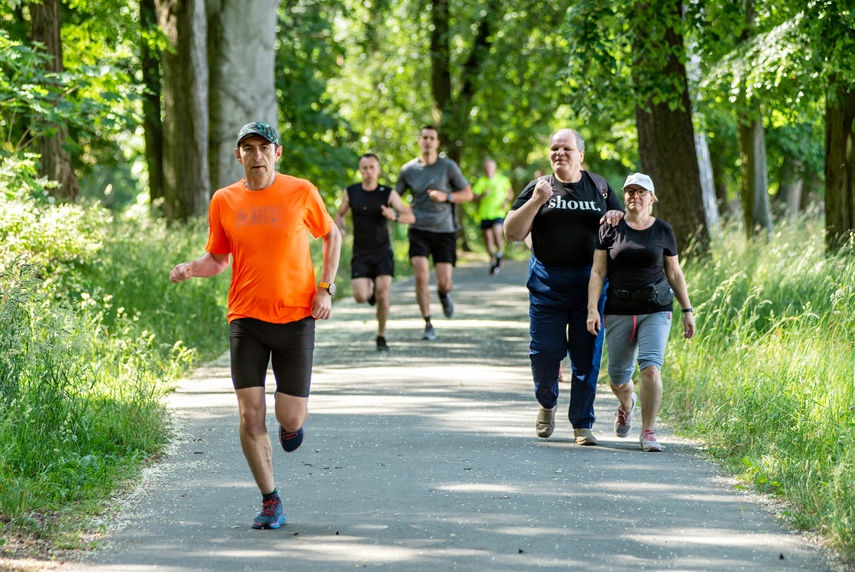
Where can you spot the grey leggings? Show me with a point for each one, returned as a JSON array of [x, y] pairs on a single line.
[[640, 337]]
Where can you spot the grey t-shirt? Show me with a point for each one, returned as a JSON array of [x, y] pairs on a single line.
[[444, 175]]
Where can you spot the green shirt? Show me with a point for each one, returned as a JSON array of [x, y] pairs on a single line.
[[495, 193]]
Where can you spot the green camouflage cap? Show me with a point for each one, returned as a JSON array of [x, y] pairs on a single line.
[[260, 129]]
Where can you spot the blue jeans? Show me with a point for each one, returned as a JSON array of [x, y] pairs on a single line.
[[558, 313]]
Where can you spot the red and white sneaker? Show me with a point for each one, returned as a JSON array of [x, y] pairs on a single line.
[[648, 441]]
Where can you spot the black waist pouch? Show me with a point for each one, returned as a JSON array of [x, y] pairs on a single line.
[[659, 294]]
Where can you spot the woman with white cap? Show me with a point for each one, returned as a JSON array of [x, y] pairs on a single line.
[[638, 256]]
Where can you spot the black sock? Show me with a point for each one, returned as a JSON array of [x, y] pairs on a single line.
[[443, 295], [427, 320], [270, 495]]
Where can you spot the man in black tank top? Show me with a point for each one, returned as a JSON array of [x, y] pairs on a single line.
[[372, 266]]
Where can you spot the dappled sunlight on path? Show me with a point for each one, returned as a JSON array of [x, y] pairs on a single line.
[[425, 458]]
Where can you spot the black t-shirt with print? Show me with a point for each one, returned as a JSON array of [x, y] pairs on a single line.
[[370, 227], [636, 260], [564, 231]]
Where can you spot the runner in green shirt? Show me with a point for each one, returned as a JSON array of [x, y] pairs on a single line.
[[494, 195]]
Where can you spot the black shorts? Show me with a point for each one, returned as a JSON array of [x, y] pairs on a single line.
[[489, 223], [372, 265], [252, 344], [441, 245]]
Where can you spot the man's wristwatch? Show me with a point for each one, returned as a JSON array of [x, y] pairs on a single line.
[[331, 288]]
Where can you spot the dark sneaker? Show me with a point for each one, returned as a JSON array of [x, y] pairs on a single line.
[[494, 268], [430, 333], [291, 441], [372, 301], [447, 306], [584, 437], [623, 419], [545, 422], [381, 344], [648, 441], [271, 516]]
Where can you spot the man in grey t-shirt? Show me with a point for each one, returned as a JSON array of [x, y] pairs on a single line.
[[436, 184]]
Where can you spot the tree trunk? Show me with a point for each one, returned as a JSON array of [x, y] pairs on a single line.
[[152, 123], [666, 137], [707, 185], [241, 59], [55, 161], [440, 62], [719, 183], [186, 183], [790, 186], [839, 168], [754, 188]]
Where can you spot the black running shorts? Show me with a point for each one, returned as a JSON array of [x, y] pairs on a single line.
[[372, 265], [253, 344], [441, 245]]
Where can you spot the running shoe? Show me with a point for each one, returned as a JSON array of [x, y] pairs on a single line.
[[272, 514], [623, 419], [648, 441], [381, 344], [447, 305], [430, 333], [291, 441], [373, 299]]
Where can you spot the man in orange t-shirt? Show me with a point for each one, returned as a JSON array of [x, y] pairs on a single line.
[[264, 222]]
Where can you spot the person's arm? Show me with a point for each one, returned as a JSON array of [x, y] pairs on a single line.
[[612, 217], [205, 266], [615, 210], [595, 289], [518, 222], [322, 300], [399, 211], [463, 195], [675, 277], [342, 210]]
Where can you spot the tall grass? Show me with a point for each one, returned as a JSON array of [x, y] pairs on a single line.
[[80, 408], [92, 335], [769, 380]]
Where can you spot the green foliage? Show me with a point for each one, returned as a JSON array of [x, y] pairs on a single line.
[[316, 139], [76, 401], [52, 238], [129, 279], [775, 398], [91, 338]]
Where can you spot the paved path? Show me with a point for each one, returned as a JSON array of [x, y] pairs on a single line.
[[425, 458]]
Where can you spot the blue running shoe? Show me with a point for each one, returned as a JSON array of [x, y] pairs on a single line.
[[291, 441], [271, 516]]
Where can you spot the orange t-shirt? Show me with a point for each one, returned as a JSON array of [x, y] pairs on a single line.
[[267, 234]]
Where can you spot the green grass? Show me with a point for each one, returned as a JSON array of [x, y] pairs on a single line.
[[769, 380]]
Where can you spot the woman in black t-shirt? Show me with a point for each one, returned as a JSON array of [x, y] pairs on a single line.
[[638, 257]]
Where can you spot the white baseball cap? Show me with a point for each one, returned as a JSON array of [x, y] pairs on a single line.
[[640, 180]]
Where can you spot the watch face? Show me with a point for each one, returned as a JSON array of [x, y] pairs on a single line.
[[332, 289]]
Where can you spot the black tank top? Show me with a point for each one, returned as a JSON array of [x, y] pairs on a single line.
[[370, 227]]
